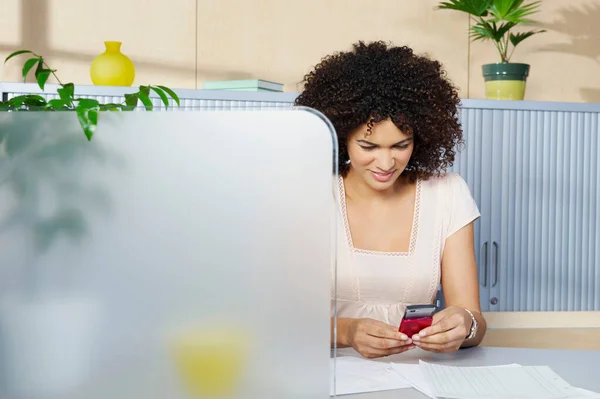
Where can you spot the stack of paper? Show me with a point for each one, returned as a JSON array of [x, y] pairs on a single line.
[[494, 382], [358, 375]]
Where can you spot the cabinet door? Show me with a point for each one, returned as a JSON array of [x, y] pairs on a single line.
[[474, 164], [545, 232]]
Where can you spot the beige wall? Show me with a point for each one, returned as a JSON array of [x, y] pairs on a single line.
[[181, 43]]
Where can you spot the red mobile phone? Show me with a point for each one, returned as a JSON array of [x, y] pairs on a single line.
[[416, 318]]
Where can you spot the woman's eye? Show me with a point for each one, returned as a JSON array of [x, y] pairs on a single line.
[[367, 148], [402, 147]]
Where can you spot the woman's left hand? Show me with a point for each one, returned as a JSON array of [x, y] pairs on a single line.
[[447, 332]]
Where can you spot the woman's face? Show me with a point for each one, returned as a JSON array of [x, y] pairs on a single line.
[[380, 157]]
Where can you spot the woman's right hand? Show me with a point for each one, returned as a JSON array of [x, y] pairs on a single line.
[[372, 338]]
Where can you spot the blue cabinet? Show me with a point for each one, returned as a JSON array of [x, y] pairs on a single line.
[[533, 169]]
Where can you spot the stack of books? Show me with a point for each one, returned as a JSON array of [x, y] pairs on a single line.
[[244, 85]]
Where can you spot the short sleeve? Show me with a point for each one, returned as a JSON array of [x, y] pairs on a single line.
[[461, 207]]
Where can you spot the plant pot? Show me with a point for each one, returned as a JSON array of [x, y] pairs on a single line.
[[46, 345], [505, 81]]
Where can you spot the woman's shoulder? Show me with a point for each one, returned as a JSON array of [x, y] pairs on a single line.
[[446, 181]]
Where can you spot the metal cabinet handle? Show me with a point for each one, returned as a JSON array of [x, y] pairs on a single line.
[[485, 263], [496, 250]]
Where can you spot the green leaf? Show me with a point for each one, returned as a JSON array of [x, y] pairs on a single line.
[[93, 115], [500, 8], [28, 100], [483, 31], [514, 11], [87, 103], [145, 90], [519, 37], [131, 99], [146, 101], [111, 107], [501, 31], [162, 95], [40, 66], [30, 63], [478, 8], [171, 93], [42, 78], [88, 119], [58, 104], [18, 53], [66, 92]]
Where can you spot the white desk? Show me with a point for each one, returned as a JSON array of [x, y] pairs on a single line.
[[579, 368]]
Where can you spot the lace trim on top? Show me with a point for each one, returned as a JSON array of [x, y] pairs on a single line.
[[414, 229]]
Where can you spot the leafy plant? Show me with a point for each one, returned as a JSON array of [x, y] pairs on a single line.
[[87, 109], [495, 19]]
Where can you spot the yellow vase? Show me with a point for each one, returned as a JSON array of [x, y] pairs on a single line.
[[211, 361], [112, 68]]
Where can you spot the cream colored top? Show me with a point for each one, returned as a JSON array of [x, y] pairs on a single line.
[[379, 285]]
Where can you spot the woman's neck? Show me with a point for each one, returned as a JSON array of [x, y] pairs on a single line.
[[357, 188]]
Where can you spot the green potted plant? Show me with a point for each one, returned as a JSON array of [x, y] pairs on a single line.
[[87, 109], [46, 202], [494, 20]]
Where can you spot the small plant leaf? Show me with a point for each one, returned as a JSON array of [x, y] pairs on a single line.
[[146, 101], [501, 31], [514, 11], [87, 103], [30, 63], [483, 31], [131, 99], [66, 92], [17, 53], [42, 77], [88, 119], [145, 90], [58, 104], [171, 93], [478, 8], [110, 107], [516, 38], [28, 100], [162, 95]]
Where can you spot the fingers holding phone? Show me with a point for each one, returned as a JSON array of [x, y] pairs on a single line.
[[447, 332], [372, 338], [416, 318]]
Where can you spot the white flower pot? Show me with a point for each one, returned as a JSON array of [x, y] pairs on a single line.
[[46, 345]]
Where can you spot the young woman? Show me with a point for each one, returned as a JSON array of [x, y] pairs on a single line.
[[406, 225]]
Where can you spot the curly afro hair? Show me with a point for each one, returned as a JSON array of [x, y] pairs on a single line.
[[374, 82]]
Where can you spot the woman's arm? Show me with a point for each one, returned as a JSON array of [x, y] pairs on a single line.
[[459, 279], [452, 325], [342, 332]]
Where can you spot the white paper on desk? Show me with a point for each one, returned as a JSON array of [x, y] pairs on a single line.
[[538, 382], [414, 375], [358, 375], [585, 394]]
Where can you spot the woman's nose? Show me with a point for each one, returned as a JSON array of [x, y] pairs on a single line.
[[386, 162]]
